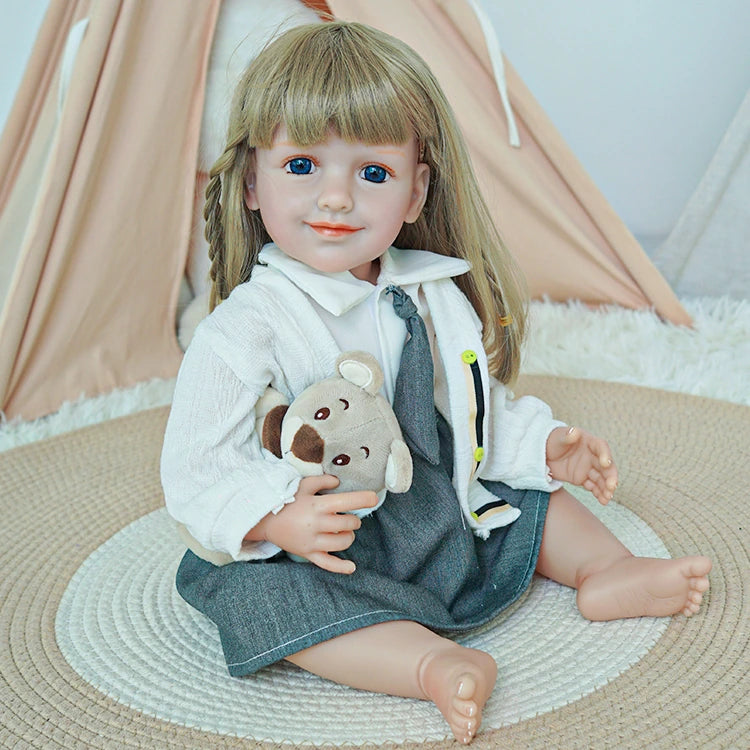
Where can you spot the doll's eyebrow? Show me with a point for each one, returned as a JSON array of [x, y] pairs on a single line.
[[391, 151], [385, 151]]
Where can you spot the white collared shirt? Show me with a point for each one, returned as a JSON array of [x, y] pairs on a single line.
[[218, 480], [360, 315]]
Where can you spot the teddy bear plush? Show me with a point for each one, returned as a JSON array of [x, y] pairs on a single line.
[[343, 426], [340, 426]]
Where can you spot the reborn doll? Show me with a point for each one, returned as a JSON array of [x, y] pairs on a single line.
[[344, 214]]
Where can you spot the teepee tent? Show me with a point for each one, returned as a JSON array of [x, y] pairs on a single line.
[[715, 223], [102, 156], [96, 198]]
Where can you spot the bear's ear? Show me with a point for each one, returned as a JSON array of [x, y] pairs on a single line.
[[398, 470], [361, 369], [271, 435], [270, 398]]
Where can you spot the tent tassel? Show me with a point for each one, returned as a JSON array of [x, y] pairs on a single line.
[[72, 45], [496, 57]]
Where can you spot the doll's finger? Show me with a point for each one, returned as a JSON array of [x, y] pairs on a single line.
[[573, 435], [597, 491], [610, 478], [335, 542], [601, 450], [603, 493], [333, 523], [344, 502], [601, 489], [331, 563], [313, 485], [367, 498], [561, 441], [600, 480]]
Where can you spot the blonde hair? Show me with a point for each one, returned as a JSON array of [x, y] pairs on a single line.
[[365, 86]]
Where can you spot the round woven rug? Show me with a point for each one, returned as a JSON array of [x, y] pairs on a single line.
[[69, 503], [122, 626]]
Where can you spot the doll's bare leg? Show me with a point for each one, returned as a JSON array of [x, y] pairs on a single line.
[[579, 551], [406, 659]]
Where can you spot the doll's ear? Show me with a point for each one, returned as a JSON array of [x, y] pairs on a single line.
[[398, 471], [420, 189], [251, 200], [271, 435], [362, 369]]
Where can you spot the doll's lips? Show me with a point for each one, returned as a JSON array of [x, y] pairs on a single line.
[[333, 230]]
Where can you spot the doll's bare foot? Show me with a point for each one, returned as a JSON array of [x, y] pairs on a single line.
[[458, 681], [644, 587]]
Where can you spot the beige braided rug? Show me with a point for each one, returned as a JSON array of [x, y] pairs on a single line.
[[96, 647]]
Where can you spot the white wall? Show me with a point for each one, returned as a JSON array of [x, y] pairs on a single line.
[[642, 90], [19, 23]]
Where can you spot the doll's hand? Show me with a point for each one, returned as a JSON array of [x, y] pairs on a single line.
[[576, 456], [315, 525]]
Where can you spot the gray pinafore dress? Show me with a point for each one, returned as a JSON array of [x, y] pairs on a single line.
[[416, 558]]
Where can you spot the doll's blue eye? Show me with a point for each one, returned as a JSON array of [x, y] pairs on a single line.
[[300, 165], [375, 173]]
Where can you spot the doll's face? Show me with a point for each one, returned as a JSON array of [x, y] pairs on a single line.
[[337, 206]]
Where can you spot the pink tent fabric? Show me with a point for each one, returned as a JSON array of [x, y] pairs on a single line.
[[97, 189], [97, 200]]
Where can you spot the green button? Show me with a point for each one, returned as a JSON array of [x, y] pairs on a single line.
[[469, 357], [478, 454]]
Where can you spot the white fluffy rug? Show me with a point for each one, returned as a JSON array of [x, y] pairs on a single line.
[[711, 359]]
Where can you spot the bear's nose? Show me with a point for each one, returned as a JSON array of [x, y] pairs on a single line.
[[307, 445]]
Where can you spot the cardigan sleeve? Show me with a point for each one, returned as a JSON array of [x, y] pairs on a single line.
[[517, 441], [218, 481]]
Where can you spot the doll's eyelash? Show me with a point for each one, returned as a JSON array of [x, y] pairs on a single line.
[[371, 172], [300, 165], [381, 172]]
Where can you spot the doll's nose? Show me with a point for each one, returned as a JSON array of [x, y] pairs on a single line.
[[307, 445], [335, 196]]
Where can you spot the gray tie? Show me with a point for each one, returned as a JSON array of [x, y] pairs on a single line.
[[414, 398]]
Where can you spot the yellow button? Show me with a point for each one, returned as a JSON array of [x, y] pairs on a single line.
[[478, 454], [469, 357]]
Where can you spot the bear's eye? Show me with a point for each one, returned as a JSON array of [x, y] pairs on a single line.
[[341, 460], [365, 450], [323, 413], [345, 403]]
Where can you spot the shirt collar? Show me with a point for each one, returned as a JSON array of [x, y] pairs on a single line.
[[340, 292]]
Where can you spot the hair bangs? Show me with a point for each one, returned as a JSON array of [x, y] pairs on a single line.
[[330, 81], [351, 98]]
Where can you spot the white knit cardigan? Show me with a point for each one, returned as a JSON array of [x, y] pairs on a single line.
[[217, 479]]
